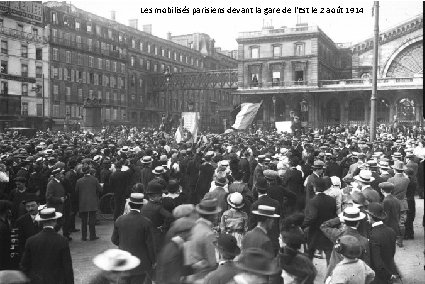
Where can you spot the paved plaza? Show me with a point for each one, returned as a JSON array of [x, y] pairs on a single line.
[[410, 258]]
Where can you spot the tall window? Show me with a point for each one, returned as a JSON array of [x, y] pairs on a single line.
[[24, 70], [299, 49], [77, 25], [3, 67], [38, 71], [91, 61], [24, 89], [68, 94], [39, 109], [55, 54], [254, 72], [4, 46], [56, 92], [35, 31], [38, 54], [68, 56], [255, 52], [54, 18], [24, 109], [277, 50], [24, 51], [4, 88]]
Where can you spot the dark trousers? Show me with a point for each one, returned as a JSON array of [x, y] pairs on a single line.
[[119, 206], [134, 279], [91, 218], [66, 217], [411, 213]]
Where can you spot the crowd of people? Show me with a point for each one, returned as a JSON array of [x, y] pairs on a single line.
[[241, 207]]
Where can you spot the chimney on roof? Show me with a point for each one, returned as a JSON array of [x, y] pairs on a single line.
[[147, 28], [113, 13], [168, 36], [133, 23]]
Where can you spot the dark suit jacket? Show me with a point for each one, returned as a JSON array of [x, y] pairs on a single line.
[[392, 208], [281, 194], [206, 172], [120, 183], [320, 209], [382, 250], [69, 184], [223, 274], [133, 233], [47, 259], [257, 238], [293, 181], [27, 228], [88, 190], [54, 192], [4, 245], [333, 169]]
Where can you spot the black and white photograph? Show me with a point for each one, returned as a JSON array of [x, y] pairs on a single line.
[[212, 142]]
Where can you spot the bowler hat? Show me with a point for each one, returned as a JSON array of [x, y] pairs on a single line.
[[208, 207], [154, 187], [261, 184], [376, 210], [173, 186], [257, 261]]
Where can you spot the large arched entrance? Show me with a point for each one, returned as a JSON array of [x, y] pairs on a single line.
[[356, 110]]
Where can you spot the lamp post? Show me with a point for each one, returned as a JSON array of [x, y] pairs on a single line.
[[304, 110], [167, 75], [274, 108]]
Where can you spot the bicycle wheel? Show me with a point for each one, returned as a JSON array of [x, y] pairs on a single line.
[[106, 206]]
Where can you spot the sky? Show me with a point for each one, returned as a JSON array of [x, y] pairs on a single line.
[[224, 28]]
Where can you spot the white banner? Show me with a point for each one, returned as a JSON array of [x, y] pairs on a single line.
[[283, 126], [191, 124], [246, 115]]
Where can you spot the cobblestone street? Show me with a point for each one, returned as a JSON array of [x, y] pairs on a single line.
[[410, 258]]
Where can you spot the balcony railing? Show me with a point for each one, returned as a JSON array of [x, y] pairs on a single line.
[[273, 32], [22, 35]]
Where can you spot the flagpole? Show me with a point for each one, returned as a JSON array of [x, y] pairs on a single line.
[[374, 73]]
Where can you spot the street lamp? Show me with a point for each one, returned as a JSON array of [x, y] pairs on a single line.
[[274, 108], [304, 109]]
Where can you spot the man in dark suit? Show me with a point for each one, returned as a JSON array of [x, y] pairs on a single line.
[[382, 246], [293, 181], [88, 190], [262, 188], [258, 237], [206, 172], [391, 207], [55, 192], [333, 168], [5, 232], [69, 207], [226, 270], [133, 233], [146, 172], [47, 258], [244, 166], [26, 224], [120, 183], [286, 198], [321, 208], [318, 169]]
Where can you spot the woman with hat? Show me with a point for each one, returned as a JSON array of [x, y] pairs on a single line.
[[115, 265], [234, 221], [351, 270]]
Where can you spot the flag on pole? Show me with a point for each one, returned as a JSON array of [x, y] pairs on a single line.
[[246, 115]]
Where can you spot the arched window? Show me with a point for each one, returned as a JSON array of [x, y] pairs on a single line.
[[356, 110], [405, 109]]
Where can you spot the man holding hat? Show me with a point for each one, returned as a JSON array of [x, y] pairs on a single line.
[[133, 233], [47, 258], [228, 250], [382, 241]]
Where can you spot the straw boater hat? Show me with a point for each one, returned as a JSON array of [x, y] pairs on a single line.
[[146, 160], [399, 166], [158, 170], [116, 260], [208, 207], [137, 198], [267, 211], [364, 176], [352, 214], [384, 165], [235, 200], [47, 214]]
